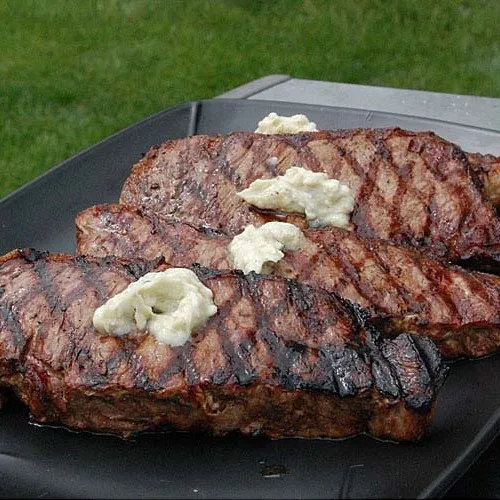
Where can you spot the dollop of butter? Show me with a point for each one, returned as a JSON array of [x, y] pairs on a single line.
[[324, 201], [169, 304], [276, 124], [257, 247]]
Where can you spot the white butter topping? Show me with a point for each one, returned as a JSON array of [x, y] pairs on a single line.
[[256, 247], [170, 305], [324, 201], [276, 124]]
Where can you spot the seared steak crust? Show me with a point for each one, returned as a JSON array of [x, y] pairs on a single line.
[[486, 169], [402, 288], [412, 188], [279, 358]]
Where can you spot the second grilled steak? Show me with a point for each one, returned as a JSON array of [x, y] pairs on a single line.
[[403, 289], [279, 358], [412, 188]]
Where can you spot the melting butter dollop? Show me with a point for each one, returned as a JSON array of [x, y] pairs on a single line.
[[169, 304], [323, 201], [256, 248], [277, 124]]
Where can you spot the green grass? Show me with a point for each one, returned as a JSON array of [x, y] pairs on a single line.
[[73, 72]]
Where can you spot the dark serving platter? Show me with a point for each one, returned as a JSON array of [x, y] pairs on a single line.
[[53, 462]]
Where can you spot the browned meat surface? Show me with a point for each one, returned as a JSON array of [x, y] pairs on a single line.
[[412, 188], [279, 358], [487, 170], [129, 232], [404, 289]]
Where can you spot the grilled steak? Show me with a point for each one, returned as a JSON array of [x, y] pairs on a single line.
[[486, 169], [279, 358], [402, 288], [412, 188]]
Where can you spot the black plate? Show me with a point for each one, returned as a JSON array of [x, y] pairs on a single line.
[[42, 461]]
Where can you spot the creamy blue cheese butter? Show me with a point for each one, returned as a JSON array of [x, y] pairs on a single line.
[[256, 248], [169, 304], [323, 201], [277, 124]]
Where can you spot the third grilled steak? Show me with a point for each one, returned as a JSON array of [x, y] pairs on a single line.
[[279, 358], [412, 188], [403, 289]]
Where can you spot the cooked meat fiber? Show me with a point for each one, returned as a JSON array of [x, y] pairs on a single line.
[[402, 288], [486, 168], [410, 187], [279, 358]]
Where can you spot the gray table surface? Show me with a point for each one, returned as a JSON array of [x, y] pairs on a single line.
[[481, 112], [472, 110], [482, 480]]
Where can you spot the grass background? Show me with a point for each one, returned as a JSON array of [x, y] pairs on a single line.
[[73, 72]]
